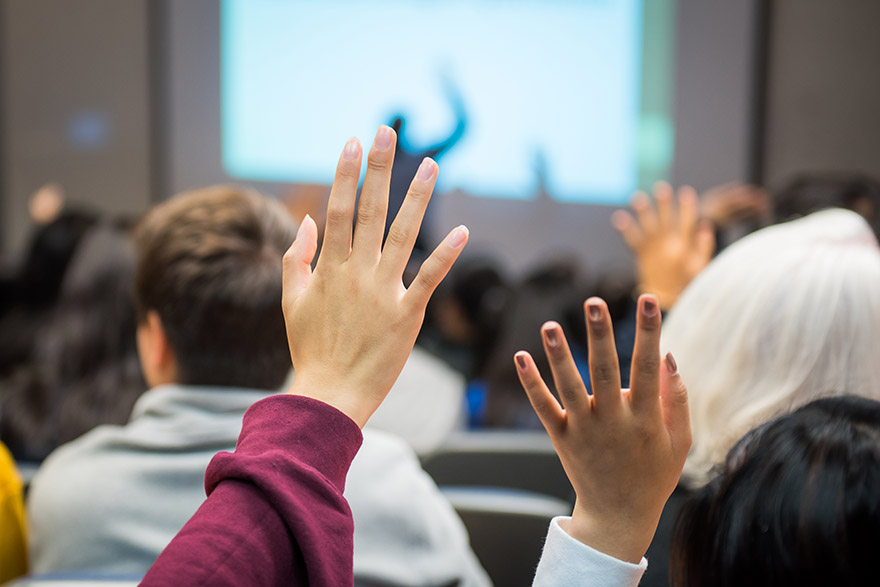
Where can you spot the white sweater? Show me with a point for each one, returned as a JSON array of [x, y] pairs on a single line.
[[567, 562]]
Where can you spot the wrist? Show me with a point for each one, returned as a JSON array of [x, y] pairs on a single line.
[[620, 534], [333, 393]]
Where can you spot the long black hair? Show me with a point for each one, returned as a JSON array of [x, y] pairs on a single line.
[[797, 503]]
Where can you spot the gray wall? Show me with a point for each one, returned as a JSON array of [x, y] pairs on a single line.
[[74, 106], [823, 91]]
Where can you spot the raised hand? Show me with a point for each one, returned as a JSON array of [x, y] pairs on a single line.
[[670, 243], [727, 204], [351, 323], [623, 450]]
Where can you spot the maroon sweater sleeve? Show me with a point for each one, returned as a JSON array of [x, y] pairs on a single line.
[[275, 514]]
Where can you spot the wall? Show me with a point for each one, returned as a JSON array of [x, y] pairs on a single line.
[[75, 106], [823, 90]]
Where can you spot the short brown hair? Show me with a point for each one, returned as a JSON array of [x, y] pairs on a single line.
[[209, 263]]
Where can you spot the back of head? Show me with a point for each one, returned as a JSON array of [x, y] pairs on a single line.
[[85, 369], [787, 315], [551, 292], [796, 504], [811, 192], [209, 263]]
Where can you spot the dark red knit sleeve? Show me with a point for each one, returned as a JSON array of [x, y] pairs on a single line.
[[275, 514]]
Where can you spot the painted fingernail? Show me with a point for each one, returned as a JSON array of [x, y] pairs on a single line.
[[426, 169], [352, 150], [594, 309], [384, 138], [671, 366], [521, 361], [552, 339], [459, 235], [649, 307]]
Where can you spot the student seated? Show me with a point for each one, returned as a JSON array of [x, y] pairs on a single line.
[[212, 342]]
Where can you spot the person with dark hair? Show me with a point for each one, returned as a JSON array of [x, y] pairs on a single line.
[[465, 314], [796, 503], [811, 192], [212, 342], [550, 292], [85, 370], [31, 293]]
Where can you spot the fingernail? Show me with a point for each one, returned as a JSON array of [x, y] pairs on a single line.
[[594, 309], [521, 361], [426, 169], [459, 235], [384, 138], [671, 366], [649, 307], [552, 339], [352, 150], [619, 220]]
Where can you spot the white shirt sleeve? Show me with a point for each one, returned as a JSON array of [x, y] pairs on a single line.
[[567, 561]]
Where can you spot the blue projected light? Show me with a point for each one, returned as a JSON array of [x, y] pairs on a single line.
[[538, 87]]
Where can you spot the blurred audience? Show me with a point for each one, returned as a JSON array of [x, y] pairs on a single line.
[[466, 312], [84, 370], [32, 291], [552, 292], [811, 192], [212, 342]]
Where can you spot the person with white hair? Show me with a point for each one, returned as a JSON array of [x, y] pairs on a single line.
[[784, 316], [780, 318]]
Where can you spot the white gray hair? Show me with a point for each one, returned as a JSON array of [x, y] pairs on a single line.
[[784, 316]]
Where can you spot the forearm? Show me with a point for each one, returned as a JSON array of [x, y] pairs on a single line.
[[275, 511]]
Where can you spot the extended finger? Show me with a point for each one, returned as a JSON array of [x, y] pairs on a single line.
[[545, 405], [676, 413], [405, 228], [646, 213], [663, 195], [604, 367], [373, 203], [340, 206], [435, 268], [645, 372], [569, 385], [705, 242], [628, 229], [297, 261], [688, 211]]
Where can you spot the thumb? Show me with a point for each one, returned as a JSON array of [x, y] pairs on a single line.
[[297, 264], [676, 413]]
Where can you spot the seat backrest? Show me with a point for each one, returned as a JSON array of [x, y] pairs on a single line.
[[515, 460], [507, 528]]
